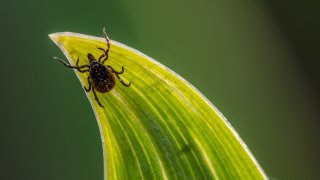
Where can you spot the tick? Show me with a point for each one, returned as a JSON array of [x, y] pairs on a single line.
[[101, 77]]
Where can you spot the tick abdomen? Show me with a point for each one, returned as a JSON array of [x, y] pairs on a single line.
[[102, 77]]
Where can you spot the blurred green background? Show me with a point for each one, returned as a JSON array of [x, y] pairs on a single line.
[[257, 61]]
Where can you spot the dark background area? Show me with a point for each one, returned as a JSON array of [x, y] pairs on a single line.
[[257, 61]]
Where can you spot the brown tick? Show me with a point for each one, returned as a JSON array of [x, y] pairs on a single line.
[[101, 77]]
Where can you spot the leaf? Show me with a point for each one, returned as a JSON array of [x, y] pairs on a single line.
[[161, 127]]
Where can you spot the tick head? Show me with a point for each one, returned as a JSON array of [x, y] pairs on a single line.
[[91, 58]]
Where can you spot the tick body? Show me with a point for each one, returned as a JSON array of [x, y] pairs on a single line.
[[101, 77]]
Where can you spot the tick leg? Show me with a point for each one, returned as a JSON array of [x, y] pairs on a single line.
[[100, 48], [74, 67], [117, 74], [94, 92], [96, 97], [123, 83], [77, 62], [102, 55], [82, 71], [106, 52], [89, 82]]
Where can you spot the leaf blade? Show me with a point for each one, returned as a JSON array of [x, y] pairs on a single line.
[[161, 127]]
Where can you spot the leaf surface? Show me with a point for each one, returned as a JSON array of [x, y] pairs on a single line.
[[161, 127]]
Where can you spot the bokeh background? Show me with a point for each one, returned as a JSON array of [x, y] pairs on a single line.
[[256, 60]]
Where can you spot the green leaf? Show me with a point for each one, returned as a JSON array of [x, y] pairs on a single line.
[[161, 127]]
